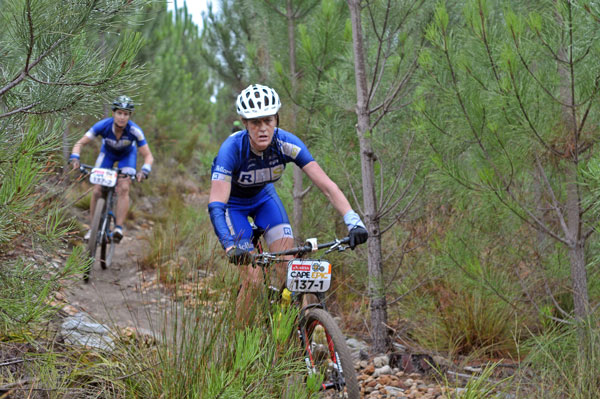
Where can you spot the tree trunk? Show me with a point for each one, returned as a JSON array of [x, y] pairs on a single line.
[[298, 211], [66, 147], [581, 301], [379, 331], [298, 174]]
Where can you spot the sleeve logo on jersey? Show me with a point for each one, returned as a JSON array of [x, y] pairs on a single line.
[[289, 149], [221, 169], [287, 231], [220, 176], [139, 135]]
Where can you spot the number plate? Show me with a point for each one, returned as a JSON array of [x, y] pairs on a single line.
[[103, 177], [306, 275]]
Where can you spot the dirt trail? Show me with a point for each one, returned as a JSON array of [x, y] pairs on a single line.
[[122, 295]]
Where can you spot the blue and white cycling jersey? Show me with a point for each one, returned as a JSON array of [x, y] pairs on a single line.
[[252, 195], [250, 171], [132, 137]]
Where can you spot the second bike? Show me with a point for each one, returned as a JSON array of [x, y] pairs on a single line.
[[104, 219]]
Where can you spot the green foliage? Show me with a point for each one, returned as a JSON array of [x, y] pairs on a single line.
[[463, 294], [201, 354], [27, 288], [176, 240], [482, 386], [52, 62], [495, 108], [54, 65], [21, 171], [176, 95], [282, 320], [563, 368]]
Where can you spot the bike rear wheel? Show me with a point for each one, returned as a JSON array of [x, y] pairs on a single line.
[[94, 229], [327, 353]]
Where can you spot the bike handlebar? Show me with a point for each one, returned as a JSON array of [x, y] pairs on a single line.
[[83, 168], [268, 257]]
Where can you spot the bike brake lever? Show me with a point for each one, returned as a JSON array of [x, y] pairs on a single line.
[[342, 248], [337, 246]]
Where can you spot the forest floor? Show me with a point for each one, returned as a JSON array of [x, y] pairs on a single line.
[[124, 296]]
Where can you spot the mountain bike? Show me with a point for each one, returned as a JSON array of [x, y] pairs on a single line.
[[323, 345], [104, 218]]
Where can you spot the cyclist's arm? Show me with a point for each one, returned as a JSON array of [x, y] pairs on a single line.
[[147, 154], [339, 202], [331, 190], [80, 143], [219, 195], [148, 160]]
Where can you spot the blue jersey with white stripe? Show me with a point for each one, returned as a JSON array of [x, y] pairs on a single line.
[[132, 136], [250, 171]]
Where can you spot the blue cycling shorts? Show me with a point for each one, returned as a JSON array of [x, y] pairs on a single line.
[[268, 213], [127, 161]]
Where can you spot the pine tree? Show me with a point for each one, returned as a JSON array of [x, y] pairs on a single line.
[[510, 109], [51, 69], [175, 99], [385, 54]]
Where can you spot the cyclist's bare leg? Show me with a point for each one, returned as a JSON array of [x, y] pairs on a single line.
[[96, 193], [281, 268], [123, 185], [252, 282], [246, 300]]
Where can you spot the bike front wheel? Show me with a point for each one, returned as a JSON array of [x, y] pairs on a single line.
[[94, 229], [327, 354], [107, 248]]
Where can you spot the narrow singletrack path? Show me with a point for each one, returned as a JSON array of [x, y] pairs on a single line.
[[123, 295]]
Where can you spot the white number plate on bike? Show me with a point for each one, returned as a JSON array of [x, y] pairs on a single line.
[[306, 275], [103, 177]]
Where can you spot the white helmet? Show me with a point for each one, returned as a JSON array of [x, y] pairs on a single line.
[[256, 101]]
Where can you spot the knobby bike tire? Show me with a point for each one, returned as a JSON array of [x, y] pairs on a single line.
[[339, 374], [93, 241], [107, 247]]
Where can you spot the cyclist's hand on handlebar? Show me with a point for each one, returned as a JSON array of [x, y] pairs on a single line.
[[74, 163], [357, 236], [142, 175], [239, 256]]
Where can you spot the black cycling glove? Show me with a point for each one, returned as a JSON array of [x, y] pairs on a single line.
[[357, 236], [239, 256]]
